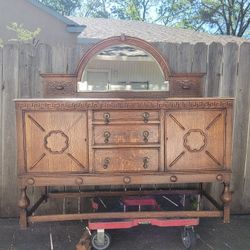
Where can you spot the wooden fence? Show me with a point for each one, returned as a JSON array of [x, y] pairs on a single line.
[[227, 71]]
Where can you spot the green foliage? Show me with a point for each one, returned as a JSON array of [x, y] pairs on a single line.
[[22, 33], [95, 8], [231, 17], [64, 7]]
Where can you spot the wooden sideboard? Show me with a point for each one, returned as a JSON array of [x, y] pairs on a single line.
[[90, 142]]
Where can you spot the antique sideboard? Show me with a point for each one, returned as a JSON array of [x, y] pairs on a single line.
[[103, 126], [83, 142]]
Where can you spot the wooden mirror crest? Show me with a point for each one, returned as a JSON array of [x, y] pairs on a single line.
[[177, 84]]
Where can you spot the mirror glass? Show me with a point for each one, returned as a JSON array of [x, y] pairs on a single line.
[[122, 68]]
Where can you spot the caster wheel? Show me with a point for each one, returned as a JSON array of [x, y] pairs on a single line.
[[100, 244], [188, 237]]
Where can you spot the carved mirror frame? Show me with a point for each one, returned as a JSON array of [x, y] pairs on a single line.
[[65, 85]]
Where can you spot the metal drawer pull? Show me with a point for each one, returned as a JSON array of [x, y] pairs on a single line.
[[106, 163], [145, 116], [145, 162], [59, 87], [106, 117], [185, 86], [145, 136], [106, 136]]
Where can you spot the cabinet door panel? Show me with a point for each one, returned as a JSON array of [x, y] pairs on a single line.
[[195, 139], [56, 142]]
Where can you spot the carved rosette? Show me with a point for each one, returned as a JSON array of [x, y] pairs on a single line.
[[195, 140], [56, 142]]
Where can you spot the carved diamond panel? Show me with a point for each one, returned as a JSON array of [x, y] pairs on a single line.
[[195, 139], [56, 141]]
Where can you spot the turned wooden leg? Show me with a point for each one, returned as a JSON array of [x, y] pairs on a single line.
[[226, 198], [23, 204]]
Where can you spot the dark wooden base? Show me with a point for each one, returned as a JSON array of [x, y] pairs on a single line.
[[26, 215]]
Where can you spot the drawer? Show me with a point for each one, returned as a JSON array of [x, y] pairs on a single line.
[[126, 160], [185, 87], [58, 85], [126, 134], [126, 116]]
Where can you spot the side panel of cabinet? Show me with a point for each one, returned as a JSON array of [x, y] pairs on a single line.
[[195, 139], [56, 142]]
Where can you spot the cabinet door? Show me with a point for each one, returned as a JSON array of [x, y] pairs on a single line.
[[56, 142], [195, 139]]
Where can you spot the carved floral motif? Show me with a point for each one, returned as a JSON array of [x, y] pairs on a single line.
[[56, 142], [195, 140]]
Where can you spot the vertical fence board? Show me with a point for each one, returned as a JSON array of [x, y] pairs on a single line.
[[42, 64], [184, 58], [25, 73], [214, 69], [1, 129], [59, 59], [241, 120], [199, 63], [246, 184], [170, 52], [9, 173], [230, 62]]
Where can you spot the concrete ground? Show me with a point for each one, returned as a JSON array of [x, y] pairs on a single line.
[[212, 234]]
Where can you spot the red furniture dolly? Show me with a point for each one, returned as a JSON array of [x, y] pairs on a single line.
[[101, 240]]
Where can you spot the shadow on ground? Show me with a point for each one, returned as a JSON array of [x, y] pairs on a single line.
[[212, 234]]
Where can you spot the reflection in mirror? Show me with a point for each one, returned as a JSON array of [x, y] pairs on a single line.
[[122, 68]]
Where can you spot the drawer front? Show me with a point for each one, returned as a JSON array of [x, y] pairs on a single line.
[[185, 88], [126, 160], [59, 89], [129, 134], [116, 116]]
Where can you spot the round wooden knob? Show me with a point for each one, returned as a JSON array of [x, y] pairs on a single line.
[[219, 177], [79, 181], [126, 179], [173, 178], [30, 181]]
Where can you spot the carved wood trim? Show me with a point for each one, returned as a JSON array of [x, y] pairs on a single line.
[[80, 105], [123, 40]]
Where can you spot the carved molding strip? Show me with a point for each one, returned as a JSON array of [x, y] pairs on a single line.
[[177, 158], [177, 122], [36, 123], [213, 121], [213, 158], [75, 160], [41, 157], [79, 105]]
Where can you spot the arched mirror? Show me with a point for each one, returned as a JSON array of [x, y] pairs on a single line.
[[122, 67]]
